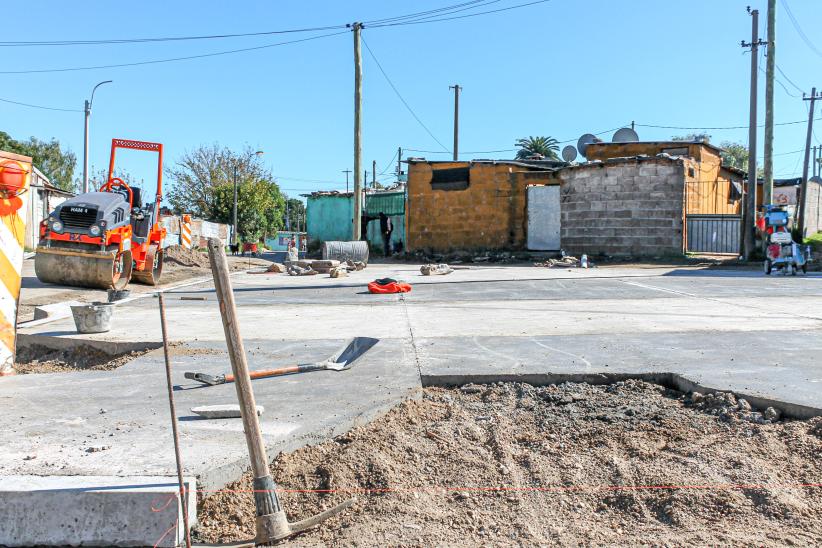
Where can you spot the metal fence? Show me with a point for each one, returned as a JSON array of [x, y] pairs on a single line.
[[713, 233], [713, 216]]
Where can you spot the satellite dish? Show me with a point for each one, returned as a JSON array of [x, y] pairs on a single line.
[[569, 153], [584, 141], [625, 135]]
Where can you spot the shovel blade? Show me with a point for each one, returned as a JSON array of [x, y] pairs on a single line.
[[350, 352]]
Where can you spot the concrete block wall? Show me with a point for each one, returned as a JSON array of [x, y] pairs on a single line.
[[633, 207]]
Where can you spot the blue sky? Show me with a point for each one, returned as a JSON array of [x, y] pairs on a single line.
[[559, 68]]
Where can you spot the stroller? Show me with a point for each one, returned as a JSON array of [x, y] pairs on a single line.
[[781, 252]]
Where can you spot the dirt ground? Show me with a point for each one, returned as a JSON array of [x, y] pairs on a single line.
[[180, 264], [39, 359], [512, 464]]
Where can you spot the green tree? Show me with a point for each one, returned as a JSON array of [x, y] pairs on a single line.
[[260, 208], [47, 156], [198, 173], [547, 147], [692, 137], [294, 214]]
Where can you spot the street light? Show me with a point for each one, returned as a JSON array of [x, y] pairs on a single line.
[[236, 163], [85, 140]]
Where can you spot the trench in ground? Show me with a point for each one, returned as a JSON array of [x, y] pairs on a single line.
[[512, 463], [38, 358]]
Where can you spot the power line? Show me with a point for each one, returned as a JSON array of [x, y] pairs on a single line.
[[421, 13], [799, 89], [41, 106], [401, 23], [404, 102], [799, 30], [186, 58], [161, 39], [390, 163]]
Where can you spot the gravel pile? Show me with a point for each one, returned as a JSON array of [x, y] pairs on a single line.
[[39, 359], [512, 464], [177, 254]]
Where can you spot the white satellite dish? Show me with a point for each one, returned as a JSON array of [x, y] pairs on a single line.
[[569, 153], [584, 141], [625, 135]]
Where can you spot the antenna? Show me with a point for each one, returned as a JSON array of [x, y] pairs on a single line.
[[584, 141], [625, 135], [569, 153]]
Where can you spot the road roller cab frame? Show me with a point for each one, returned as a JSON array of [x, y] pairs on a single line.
[[105, 239]]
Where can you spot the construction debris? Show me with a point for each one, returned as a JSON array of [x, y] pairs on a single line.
[[355, 265], [435, 269], [339, 271], [295, 270], [178, 254], [591, 459]]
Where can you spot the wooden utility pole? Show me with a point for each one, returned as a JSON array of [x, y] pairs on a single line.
[[399, 163], [456, 88], [803, 189], [357, 229], [749, 211], [373, 173], [767, 189]]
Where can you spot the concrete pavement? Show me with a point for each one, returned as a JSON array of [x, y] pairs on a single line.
[[721, 329]]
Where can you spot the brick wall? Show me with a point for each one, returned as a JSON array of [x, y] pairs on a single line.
[[629, 207], [487, 215]]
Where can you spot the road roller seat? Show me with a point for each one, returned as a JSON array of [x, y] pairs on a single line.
[[142, 220]]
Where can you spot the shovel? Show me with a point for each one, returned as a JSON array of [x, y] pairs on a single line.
[[341, 360]]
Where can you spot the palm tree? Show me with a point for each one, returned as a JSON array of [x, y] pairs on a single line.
[[546, 147]]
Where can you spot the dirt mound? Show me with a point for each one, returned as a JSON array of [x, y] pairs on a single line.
[[573, 464], [39, 359], [177, 254]]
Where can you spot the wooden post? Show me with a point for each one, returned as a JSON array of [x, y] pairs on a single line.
[[271, 519], [356, 233]]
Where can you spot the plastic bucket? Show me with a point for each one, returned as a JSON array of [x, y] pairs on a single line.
[[118, 294], [92, 318]]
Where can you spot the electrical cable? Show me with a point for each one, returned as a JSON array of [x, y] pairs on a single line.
[[40, 106], [460, 16], [186, 58], [799, 30], [421, 13], [160, 39], [390, 163], [800, 90], [404, 102]]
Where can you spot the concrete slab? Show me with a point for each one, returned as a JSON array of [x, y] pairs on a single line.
[[93, 510], [729, 330], [117, 422]]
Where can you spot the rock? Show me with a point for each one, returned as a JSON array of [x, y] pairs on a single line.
[[338, 272], [696, 397], [435, 269], [227, 411], [772, 414], [276, 267], [743, 405]]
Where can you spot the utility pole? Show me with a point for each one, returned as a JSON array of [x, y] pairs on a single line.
[[374, 173], [399, 163], [346, 171], [749, 212], [456, 88], [357, 232], [803, 189], [767, 188]]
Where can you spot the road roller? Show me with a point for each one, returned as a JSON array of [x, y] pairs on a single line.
[[107, 238]]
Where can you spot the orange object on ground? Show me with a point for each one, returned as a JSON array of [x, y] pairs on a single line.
[[388, 286]]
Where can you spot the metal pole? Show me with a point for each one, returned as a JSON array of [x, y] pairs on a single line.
[[456, 89], [85, 148], [803, 190], [235, 203], [373, 173], [749, 218], [399, 163], [346, 171], [767, 189], [357, 232], [87, 111], [173, 411]]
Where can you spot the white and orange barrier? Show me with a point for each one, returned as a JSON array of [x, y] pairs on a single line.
[[15, 177], [185, 231]]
